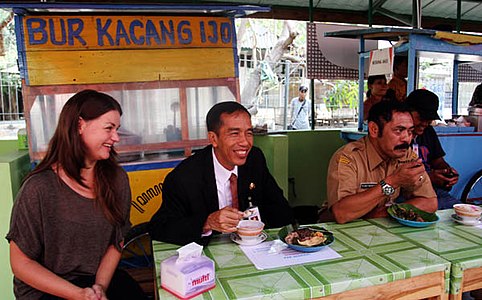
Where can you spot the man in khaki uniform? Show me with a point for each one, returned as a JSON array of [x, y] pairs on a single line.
[[366, 176]]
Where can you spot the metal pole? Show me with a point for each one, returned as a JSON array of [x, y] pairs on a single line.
[[287, 91], [416, 14], [412, 64], [459, 15], [361, 82], [312, 81], [455, 88]]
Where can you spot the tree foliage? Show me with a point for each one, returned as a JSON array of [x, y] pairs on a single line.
[[344, 93], [8, 57]]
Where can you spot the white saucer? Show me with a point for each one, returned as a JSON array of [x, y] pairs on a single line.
[[261, 238], [460, 221]]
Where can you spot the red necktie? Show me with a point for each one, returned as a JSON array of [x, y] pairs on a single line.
[[233, 184]]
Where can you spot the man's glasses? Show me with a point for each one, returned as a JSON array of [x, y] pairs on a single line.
[[304, 91]]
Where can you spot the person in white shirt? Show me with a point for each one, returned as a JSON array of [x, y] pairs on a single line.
[[300, 110]]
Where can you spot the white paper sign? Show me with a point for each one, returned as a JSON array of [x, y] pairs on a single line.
[[261, 258], [381, 62]]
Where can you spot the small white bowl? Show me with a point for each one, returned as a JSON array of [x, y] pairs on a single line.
[[249, 229], [468, 212]]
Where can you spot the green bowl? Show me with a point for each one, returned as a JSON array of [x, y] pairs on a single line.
[[430, 218], [283, 232]]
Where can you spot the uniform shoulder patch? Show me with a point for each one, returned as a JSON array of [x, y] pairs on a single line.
[[344, 160]]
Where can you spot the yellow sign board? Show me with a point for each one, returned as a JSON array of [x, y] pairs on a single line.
[[69, 49], [126, 32], [146, 189]]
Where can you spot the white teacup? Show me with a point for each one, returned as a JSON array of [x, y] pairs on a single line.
[[467, 212], [249, 230]]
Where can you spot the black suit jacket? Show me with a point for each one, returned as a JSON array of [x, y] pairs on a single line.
[[189, 196]]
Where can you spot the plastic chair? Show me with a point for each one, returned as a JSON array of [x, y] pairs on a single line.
[[137, 259], [137, 250]]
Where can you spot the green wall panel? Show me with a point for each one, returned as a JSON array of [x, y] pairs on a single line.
[[14, 165], [309, 155], [275, 149]]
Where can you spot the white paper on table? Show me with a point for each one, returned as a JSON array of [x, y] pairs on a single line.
[[262, 260]]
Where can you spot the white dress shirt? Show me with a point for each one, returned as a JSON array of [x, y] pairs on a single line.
[[222, 185], [222, 182]]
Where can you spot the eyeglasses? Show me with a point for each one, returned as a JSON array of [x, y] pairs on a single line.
[[304, 91]]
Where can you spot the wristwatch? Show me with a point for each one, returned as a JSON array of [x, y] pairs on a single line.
[[387, 189]]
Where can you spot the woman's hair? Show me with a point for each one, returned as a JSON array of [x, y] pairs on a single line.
[[67, 150], [371, 80]]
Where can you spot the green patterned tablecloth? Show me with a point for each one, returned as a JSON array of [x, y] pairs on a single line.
[[371, 255], [459, 244]]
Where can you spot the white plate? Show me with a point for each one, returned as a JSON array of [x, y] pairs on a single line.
[[460, 221], [261, 238]]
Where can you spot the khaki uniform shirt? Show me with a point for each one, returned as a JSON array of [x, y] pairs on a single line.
[[357, 166]]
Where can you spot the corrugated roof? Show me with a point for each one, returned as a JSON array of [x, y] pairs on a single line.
[[385, 12]]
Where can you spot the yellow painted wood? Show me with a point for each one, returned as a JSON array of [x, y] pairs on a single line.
[[126, 32], [146, 193], [86, 67]]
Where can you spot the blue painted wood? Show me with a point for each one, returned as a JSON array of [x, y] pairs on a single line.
[[233, 10], [361, 85], [22, 59], [462, 154], [151, 165], [455, 88]]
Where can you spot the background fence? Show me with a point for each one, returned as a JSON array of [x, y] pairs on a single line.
[[11, 103]]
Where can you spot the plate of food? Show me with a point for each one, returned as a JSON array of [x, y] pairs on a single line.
[[306, 238], [409, 215]]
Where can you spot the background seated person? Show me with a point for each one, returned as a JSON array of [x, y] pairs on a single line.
[[476, 100], [377, 91], [197, 198], [398, 83], [367, 175], [424, 105]]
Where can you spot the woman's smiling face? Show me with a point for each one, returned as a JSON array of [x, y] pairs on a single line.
[[99, 136]]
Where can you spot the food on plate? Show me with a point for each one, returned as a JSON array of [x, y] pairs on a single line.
[[407, 214], [305, 237]]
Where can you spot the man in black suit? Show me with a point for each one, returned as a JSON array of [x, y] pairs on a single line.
[[197, 200]]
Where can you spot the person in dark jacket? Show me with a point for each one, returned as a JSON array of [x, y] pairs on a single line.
[[197, 198]]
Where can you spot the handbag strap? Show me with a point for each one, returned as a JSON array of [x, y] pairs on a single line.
[[301, 107]]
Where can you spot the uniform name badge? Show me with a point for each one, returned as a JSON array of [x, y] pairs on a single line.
[[252, 213], [367, 185], [415, 148]]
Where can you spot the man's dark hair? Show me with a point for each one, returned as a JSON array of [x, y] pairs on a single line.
[[398, 60], [213, 118], [382, 112]]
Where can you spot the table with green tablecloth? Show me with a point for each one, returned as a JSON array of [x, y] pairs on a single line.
[[373, 261], [459, 244]]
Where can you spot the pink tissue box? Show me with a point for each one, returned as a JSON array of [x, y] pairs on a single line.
[[187, 279]]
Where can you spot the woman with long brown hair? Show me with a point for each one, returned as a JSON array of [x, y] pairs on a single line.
[[70, 216]]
